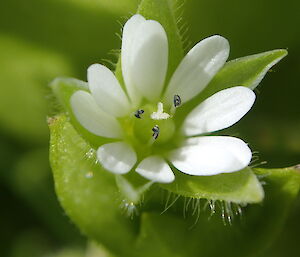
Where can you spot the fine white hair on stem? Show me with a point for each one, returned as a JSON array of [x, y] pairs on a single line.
[[196, 211], [183, 27], [119, 36], [110, 63], [167, 205], [193, 207], [255, 160]]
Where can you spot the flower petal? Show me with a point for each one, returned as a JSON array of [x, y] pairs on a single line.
[[219, 111], [156, 169], [149, 59], [197, 68], [91, 117], [128, 37], [107, 91], [211, 155], [118, 157]]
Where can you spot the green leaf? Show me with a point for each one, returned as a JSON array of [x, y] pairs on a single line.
[[252, 234], [87, 192], [237, 187], [162, 11], [247, 71]]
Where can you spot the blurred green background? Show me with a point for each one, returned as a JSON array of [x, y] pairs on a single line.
[[43, 39]]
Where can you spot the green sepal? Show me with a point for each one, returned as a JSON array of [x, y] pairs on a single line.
[[64, 88], [238, 187], [246, 71]]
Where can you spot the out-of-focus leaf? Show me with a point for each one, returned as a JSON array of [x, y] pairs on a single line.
[[110, 6], [30, 178], [55, 27], [24, 70], [32, 243], [68, 252], [97, 250], [237, 187]]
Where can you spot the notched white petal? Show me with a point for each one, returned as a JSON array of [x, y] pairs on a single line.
[[129, 31], [156, 169], [219, 111], [118, 158], [149, 59], [92, 118], [107, 91], [197, 68], [211, 155]]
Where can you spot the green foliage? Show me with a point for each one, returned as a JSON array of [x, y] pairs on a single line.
[[90, 197]]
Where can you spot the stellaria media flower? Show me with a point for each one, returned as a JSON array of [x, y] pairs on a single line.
[[140, 117]]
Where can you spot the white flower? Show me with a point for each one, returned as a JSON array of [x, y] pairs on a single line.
[[140, 118]]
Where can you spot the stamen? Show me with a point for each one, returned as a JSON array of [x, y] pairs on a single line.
[[177, 100], [176, 103], [138, 113], [155, 130]]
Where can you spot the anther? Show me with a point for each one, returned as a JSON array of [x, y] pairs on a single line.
[[155, 130], [138, 113], [177, 100]]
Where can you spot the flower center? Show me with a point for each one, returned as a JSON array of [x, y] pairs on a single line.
[[151, 129], [153, 125]]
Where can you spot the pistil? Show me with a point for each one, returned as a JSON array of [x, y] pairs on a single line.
[[160, 114]]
